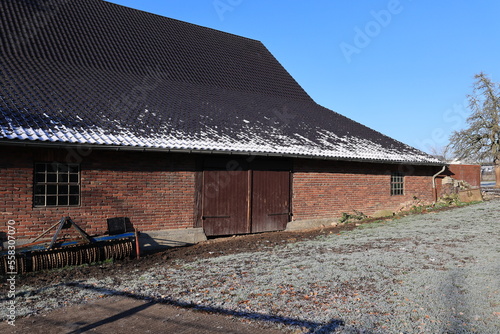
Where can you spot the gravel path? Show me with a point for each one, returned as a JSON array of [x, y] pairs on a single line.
[[432, 273]]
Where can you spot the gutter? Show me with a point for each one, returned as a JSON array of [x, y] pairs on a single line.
[[434, 188]]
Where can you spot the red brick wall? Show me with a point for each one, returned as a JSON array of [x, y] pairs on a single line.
[[154, 190], [468, 173], [323, 189], [157, 191]]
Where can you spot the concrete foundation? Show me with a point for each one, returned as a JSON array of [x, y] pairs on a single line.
[[311, 223], [155, 240]]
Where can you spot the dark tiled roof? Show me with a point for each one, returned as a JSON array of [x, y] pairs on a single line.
[[93, 72]]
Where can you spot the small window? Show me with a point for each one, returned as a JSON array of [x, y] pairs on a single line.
[[56, 184], [397, 184]]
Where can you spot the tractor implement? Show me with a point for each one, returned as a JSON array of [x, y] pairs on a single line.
[[59, 252]]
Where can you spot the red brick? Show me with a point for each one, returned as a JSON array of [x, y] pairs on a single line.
[[323, 189], [113, 184]]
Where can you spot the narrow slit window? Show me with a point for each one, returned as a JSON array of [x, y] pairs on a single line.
[[56, 184], [397, 184]]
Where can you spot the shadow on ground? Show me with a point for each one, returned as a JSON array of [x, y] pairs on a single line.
[[312, 327]]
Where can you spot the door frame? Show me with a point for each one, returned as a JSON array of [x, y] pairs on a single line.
[[249, 165]]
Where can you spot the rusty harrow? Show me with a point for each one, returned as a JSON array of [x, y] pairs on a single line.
[[40, 256]]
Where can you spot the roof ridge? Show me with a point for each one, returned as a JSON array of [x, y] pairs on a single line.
[[180, 21]]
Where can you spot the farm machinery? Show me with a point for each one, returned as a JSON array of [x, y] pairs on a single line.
[[61, 252]]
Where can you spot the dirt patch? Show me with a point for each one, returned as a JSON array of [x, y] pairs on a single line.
[[208, 249], [212, 248]]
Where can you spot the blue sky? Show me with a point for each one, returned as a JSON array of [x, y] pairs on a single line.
[[401, 67]]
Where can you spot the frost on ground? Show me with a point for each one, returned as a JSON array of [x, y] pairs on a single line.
[[433, 273]]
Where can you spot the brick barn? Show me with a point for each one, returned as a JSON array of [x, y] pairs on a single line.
[[107, 111]]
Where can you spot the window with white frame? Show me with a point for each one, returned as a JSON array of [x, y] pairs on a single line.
[[56, 184], [397, 184]]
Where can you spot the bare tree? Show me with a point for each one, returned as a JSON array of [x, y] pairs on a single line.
[[481, 140], [442, 153]]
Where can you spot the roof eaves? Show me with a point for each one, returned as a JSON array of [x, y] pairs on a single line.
[[104, 147]]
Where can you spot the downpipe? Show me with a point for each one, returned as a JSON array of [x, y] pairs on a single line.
[[434, 187]]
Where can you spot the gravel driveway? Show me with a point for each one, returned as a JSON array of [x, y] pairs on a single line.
[[433, 273]]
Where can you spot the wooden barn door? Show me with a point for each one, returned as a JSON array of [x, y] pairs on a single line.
[[225, 202], [270, 201], [240, 202]]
